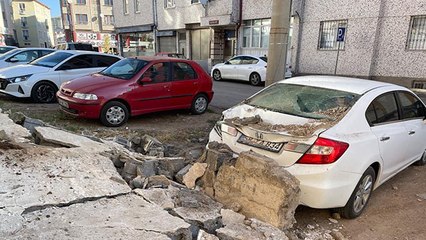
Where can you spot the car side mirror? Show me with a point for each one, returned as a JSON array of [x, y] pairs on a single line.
[[227, 62], [13, 60], [145, 80]]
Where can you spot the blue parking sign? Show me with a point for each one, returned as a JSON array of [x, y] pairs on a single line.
[[341, 34]]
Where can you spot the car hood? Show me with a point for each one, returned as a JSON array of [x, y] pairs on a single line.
[[22, 70], [91, 83]]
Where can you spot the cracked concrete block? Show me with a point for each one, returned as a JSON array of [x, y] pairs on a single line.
[[123, 217], [147, 168], [202, 235], [170, 166], [162, 197], [230, 217], [182, 172], [196, 171], [262, 188], [157, 181], [10, 224], [253, 230], [13, 131]]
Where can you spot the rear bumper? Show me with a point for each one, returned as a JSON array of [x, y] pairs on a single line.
[[80, 108]]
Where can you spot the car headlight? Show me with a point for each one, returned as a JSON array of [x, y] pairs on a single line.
[[19, 79], [85, 96]]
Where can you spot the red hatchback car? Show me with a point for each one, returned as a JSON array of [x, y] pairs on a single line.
[[135, 86]]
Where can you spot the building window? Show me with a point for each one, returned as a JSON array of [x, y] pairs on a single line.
[[24, 22], [81, 18], [109, 20], [417, 33], [21, 8], [169, 3], [126, 6], [26, 34], [328, 35], [195, 1], [256, 33], [81, 2], [137, 4], [108, 2]]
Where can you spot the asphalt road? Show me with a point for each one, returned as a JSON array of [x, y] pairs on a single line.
[[228, 93]]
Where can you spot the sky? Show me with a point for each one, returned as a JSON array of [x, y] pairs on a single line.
[[55, 11]]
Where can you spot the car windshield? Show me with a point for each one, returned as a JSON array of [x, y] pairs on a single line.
[[10, 53], [125, 68], [304, 101], [51, 60]]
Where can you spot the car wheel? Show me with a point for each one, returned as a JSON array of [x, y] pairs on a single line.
[[360, 196], [199, 104], [422, 161], [44, 92], [114, 114], [255, 79], [217, 76]]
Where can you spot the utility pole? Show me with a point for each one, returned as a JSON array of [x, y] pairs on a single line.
[[278, 41]]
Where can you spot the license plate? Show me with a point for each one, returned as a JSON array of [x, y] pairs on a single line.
[[63, 103], [269, 146]]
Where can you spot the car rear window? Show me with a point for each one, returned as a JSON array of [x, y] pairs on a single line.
[[304, 101]]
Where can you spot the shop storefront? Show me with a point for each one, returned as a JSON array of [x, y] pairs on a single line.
[[136, 41]]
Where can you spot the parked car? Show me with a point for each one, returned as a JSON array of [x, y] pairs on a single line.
[[42, 78], [135, 86], [5, 49], [341, 137], [75, 46], [21, 56], [170, 54], [244, 67]]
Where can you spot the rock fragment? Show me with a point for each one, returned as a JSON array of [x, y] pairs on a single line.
[[196, 171]]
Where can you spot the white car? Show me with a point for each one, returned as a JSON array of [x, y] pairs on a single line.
[[19, 56], [244, 67], [341, 137], [42, 78]]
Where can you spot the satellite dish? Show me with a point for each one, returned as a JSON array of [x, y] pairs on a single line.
[[204, 2]]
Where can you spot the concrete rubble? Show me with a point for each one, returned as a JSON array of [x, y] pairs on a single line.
[[59, 185]]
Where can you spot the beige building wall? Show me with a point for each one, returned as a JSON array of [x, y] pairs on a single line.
[[38, 23]]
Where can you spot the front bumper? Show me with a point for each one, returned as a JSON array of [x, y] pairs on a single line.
[[79, 108], [14, 89]]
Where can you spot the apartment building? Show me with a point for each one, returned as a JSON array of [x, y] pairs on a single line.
[[89, 21], [6, 23], [208, 31], [32, 23], [58, 30], [384, 39]]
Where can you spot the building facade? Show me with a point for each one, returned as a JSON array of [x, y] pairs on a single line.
[[6, 24], [206, 31], [58, 30], [384, 39], [32, 23], [89, 21]]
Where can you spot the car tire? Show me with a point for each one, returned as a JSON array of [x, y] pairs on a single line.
[[44, 92], [255, 79], [217, 76], [360, 196], [199, 104], [422, 160], [114, 114]]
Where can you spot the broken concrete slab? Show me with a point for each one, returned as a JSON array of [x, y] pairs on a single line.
[[12, 131], [66, 139], [230, 217], [123, 217], [262, 188], [202, 235], [253, 229], [157, 181], [196, 171], [162, 197]]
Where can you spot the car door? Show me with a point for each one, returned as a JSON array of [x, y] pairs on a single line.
[[78, 66], [154, 95], [184, 84], [413, 114], [228, 69], [246, 67], [23, 57], [383, 117]]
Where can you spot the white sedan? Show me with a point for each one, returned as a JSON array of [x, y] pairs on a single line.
[[19, 56], [341, 137], [244, 67], [42, 78]]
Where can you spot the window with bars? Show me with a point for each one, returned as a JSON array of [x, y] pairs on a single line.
[[81, 18], [417, 33], [109, 20], [169, 3], [21, 7], [256, 33], [108, 2], [328, 35], [26, 34], [24, 22]]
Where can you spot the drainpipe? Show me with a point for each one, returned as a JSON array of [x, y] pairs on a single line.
[[155, 20], [239, 26], [300, 18]]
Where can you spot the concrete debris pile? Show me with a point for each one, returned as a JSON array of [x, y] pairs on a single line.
[[58, 185]]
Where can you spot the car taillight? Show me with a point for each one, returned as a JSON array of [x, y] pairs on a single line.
[[324, 151]]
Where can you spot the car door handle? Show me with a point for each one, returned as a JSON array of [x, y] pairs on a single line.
[[383, 139], [411, 132]]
